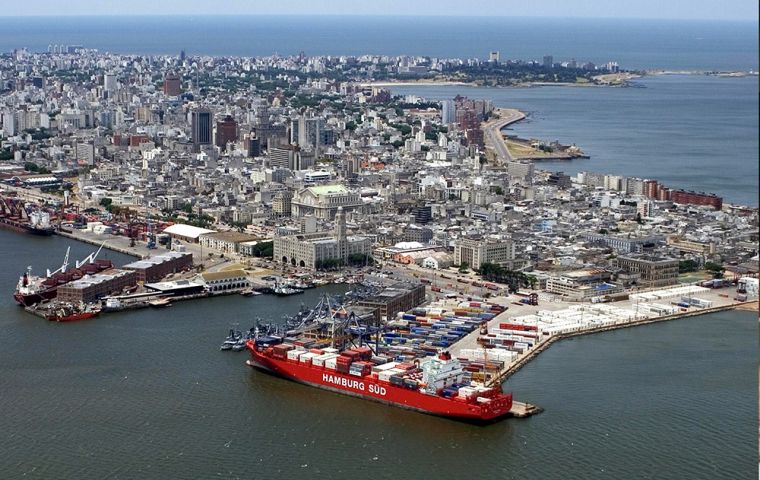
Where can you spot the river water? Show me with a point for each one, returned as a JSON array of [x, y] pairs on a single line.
[[687, 131], [147, 394]]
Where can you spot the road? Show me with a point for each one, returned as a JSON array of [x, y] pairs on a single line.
[[492, 132]]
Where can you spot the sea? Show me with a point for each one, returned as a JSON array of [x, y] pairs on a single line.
[[147, 394], [694, 132]]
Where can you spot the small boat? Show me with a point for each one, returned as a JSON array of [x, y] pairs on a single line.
[[249, 292], [234, 338], [285, 291], [160, 303]]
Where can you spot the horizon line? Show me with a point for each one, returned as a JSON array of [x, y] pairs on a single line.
[[361, 15]]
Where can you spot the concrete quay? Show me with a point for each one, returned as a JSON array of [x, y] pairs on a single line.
[[721, 299]]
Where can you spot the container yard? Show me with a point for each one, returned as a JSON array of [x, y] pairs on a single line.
[[486, 340], [526, 333]]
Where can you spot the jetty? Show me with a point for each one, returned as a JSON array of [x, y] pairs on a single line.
[[641, 309]]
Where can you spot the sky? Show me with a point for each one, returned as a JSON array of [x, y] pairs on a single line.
[[651, 9]]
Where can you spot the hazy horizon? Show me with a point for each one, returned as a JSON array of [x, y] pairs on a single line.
[[401, 15], [737, 10]]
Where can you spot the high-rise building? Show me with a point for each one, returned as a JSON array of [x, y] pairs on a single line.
[[226, 131], [85, 153], [493, 57], [109, 82], [172, 84], [283, 157], [254, 146], [448, 112], [281, 203], [548, 61], [201, 127]]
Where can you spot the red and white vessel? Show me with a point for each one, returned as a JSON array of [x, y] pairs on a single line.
[[432, 385]]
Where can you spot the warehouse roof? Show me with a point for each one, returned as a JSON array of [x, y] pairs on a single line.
[[188, 231]]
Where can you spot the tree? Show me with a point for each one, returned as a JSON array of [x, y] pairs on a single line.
[[714, 269], [263, 249], [359, 260], [463, 268], [685, 266], [105, 202]]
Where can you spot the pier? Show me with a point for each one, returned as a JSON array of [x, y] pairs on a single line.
[[719, 298]]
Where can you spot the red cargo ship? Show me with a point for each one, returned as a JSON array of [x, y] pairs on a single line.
[[430, 385]]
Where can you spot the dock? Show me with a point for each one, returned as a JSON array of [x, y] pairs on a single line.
[[524, 410], [545, 342], [628, 313], [106, 244]]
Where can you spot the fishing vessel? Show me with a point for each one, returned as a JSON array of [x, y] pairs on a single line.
[[433, 385]]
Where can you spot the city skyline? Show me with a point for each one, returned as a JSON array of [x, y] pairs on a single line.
[[731, 10]]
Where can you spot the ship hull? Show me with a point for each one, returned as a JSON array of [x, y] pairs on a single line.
[[73, 318], [22, 227], [34, 298], [369, 388]]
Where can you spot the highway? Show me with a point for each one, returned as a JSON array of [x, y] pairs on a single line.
[[492, 132]]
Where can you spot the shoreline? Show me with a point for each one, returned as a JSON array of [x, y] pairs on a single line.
[[547, 342], [605, 80]]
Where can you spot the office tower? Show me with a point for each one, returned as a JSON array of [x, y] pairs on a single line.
[[548, 61], [201, 127], [493, 57], [226, 131], [109, 83], [172, 84]]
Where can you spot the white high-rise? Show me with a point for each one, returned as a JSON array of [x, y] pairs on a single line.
[[448, 112]]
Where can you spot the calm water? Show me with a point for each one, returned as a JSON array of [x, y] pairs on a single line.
[[693, 132], [644, 44], [147, 394]]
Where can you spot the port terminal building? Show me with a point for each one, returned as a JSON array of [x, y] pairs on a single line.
[[94, 287], [398, 297], [157, 267], [186, 233], [309, 250]]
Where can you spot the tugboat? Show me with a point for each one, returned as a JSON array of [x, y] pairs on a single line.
[[283, 290], [233, 339], [70, 313]]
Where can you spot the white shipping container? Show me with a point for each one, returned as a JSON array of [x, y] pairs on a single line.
[[306, 357], [331, 363], [294, 354], [384, 366]]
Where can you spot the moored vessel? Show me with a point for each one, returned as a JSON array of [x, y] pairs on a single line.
[[32, 289], [433, 385]]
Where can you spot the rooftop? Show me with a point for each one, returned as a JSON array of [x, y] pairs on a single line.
[[328, 190], [188, 231]]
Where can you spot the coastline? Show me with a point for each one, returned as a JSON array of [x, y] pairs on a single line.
[[545, 343]]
